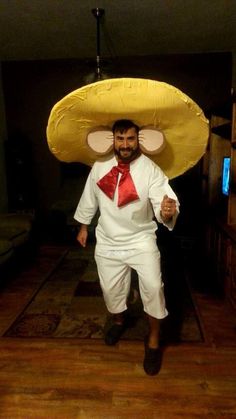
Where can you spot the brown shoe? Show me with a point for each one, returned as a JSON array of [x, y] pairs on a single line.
[[114, 334], [152, 360]]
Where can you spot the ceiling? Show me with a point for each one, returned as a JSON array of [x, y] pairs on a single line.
[[61, 29]]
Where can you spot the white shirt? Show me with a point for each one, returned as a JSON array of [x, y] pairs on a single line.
[[131, 226]]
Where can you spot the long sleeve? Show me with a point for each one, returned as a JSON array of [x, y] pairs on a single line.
[[132, 225], [158, 188], [88, 204]]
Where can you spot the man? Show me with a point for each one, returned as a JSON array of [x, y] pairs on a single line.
[[125, 232]]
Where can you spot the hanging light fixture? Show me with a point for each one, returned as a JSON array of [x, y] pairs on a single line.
[[98, 13], [97, 74]]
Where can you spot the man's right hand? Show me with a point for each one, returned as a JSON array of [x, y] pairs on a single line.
[[82, 235]]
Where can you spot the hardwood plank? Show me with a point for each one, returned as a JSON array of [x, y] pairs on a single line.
[[76, 378]]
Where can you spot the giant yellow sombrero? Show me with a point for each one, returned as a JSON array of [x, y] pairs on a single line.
[[145, 102]]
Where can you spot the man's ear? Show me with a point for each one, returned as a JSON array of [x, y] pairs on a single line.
[[100, 141], [151, 140]]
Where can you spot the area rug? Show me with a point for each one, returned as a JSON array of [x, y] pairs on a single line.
[[69, 304]]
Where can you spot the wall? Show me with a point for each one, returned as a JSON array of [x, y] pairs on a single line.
[[234, 71], [3, 189], [31, 88]]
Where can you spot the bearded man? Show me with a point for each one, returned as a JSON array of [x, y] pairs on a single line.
[[131, 193]]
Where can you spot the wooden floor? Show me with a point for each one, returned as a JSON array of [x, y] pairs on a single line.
[[69, 378]]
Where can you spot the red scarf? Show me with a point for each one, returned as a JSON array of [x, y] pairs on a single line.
[[126, 188]]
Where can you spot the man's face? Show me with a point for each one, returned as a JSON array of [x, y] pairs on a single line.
[[126, 145]]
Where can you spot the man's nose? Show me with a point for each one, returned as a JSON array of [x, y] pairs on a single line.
[[125, 142]]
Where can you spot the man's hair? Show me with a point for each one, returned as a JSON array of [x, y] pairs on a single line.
[[122, 125]]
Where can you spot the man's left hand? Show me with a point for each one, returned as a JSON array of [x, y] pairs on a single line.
[[168, 208]]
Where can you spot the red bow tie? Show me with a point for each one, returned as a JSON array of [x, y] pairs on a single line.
[[126, 188]]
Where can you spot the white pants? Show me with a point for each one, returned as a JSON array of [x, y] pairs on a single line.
[[114, 270]]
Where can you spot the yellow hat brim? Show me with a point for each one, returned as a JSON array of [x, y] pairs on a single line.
[[145, 102]]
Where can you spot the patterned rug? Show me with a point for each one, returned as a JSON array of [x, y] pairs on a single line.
[[69, 304]]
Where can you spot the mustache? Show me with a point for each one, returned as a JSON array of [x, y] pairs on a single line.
[[125, 149]]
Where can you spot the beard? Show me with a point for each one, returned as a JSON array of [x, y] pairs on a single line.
[[127, 154]]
